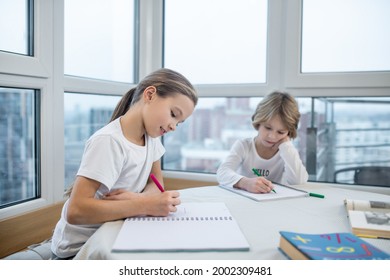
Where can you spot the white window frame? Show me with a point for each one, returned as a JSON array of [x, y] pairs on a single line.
[[41, 73], [351, 84], [283, 72], [44, 71]]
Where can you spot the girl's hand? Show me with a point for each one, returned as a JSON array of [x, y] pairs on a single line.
[[255, 185], [161, 204], [155, 203]]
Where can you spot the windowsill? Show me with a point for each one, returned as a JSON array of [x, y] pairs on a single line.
[[190, 176]]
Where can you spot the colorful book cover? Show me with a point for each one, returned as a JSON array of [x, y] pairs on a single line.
[[329, 246]]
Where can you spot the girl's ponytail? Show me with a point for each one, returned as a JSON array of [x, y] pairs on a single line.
[[123, 104]]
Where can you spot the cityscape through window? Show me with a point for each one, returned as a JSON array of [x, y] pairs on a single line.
[[342, 132], [19, 142]]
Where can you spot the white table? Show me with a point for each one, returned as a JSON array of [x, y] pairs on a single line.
[[259, 221]]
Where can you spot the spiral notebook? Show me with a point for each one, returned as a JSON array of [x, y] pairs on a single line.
[[282, 192], [207, 226]]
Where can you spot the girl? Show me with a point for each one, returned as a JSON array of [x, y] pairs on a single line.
[[270, 153], [113, 179]]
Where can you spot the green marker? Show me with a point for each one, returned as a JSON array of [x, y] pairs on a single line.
[[257, 173], [317, 195]]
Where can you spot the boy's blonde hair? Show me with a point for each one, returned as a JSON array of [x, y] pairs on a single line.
[[279, 104]]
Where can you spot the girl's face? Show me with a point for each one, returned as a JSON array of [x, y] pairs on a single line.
[[272, 132], [164, 114]]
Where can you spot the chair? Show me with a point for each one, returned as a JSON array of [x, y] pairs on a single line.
[[367, 175]]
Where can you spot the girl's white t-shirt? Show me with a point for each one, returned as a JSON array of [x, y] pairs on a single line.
[[116, 163]]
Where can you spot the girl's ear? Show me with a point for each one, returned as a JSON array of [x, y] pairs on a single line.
[[150, 93]]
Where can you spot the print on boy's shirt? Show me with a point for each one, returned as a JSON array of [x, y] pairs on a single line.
[[262, 172]]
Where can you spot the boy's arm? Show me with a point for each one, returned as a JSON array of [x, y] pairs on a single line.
[[294, 171], [227, 171]]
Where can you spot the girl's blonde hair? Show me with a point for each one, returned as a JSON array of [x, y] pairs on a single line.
[[279, 104]]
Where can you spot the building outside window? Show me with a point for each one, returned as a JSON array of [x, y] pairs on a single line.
[[19, 142], [84, 115], [344, 134]]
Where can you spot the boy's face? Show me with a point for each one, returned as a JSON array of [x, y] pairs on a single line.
[[164, 114], [272, 132]]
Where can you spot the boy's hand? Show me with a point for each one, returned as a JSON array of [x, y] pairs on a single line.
[[255, 185], [284, 139]]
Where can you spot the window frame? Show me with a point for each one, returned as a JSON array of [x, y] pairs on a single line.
[[283, 72], [39, 63], [350, 83], [44, 72], [37, 72], [273, 61]]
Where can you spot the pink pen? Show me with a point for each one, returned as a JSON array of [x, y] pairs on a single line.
[[161, 188]]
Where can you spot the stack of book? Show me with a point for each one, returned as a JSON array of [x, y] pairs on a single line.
[[369, 219]]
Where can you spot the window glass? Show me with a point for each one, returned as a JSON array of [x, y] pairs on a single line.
[[19, 142], [333, 134], [216, 42], [16, 26], [207, 136], [99, 39], [362, 139], [332, 43], [84, 114]]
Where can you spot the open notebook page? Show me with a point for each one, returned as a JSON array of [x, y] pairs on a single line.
[[194, 227], [282, 192]]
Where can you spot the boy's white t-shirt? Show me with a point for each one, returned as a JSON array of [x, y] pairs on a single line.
[[284, 167], [116, 163]]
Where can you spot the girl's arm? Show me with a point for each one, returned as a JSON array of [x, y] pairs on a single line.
[[156, 170], [84, 208]]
